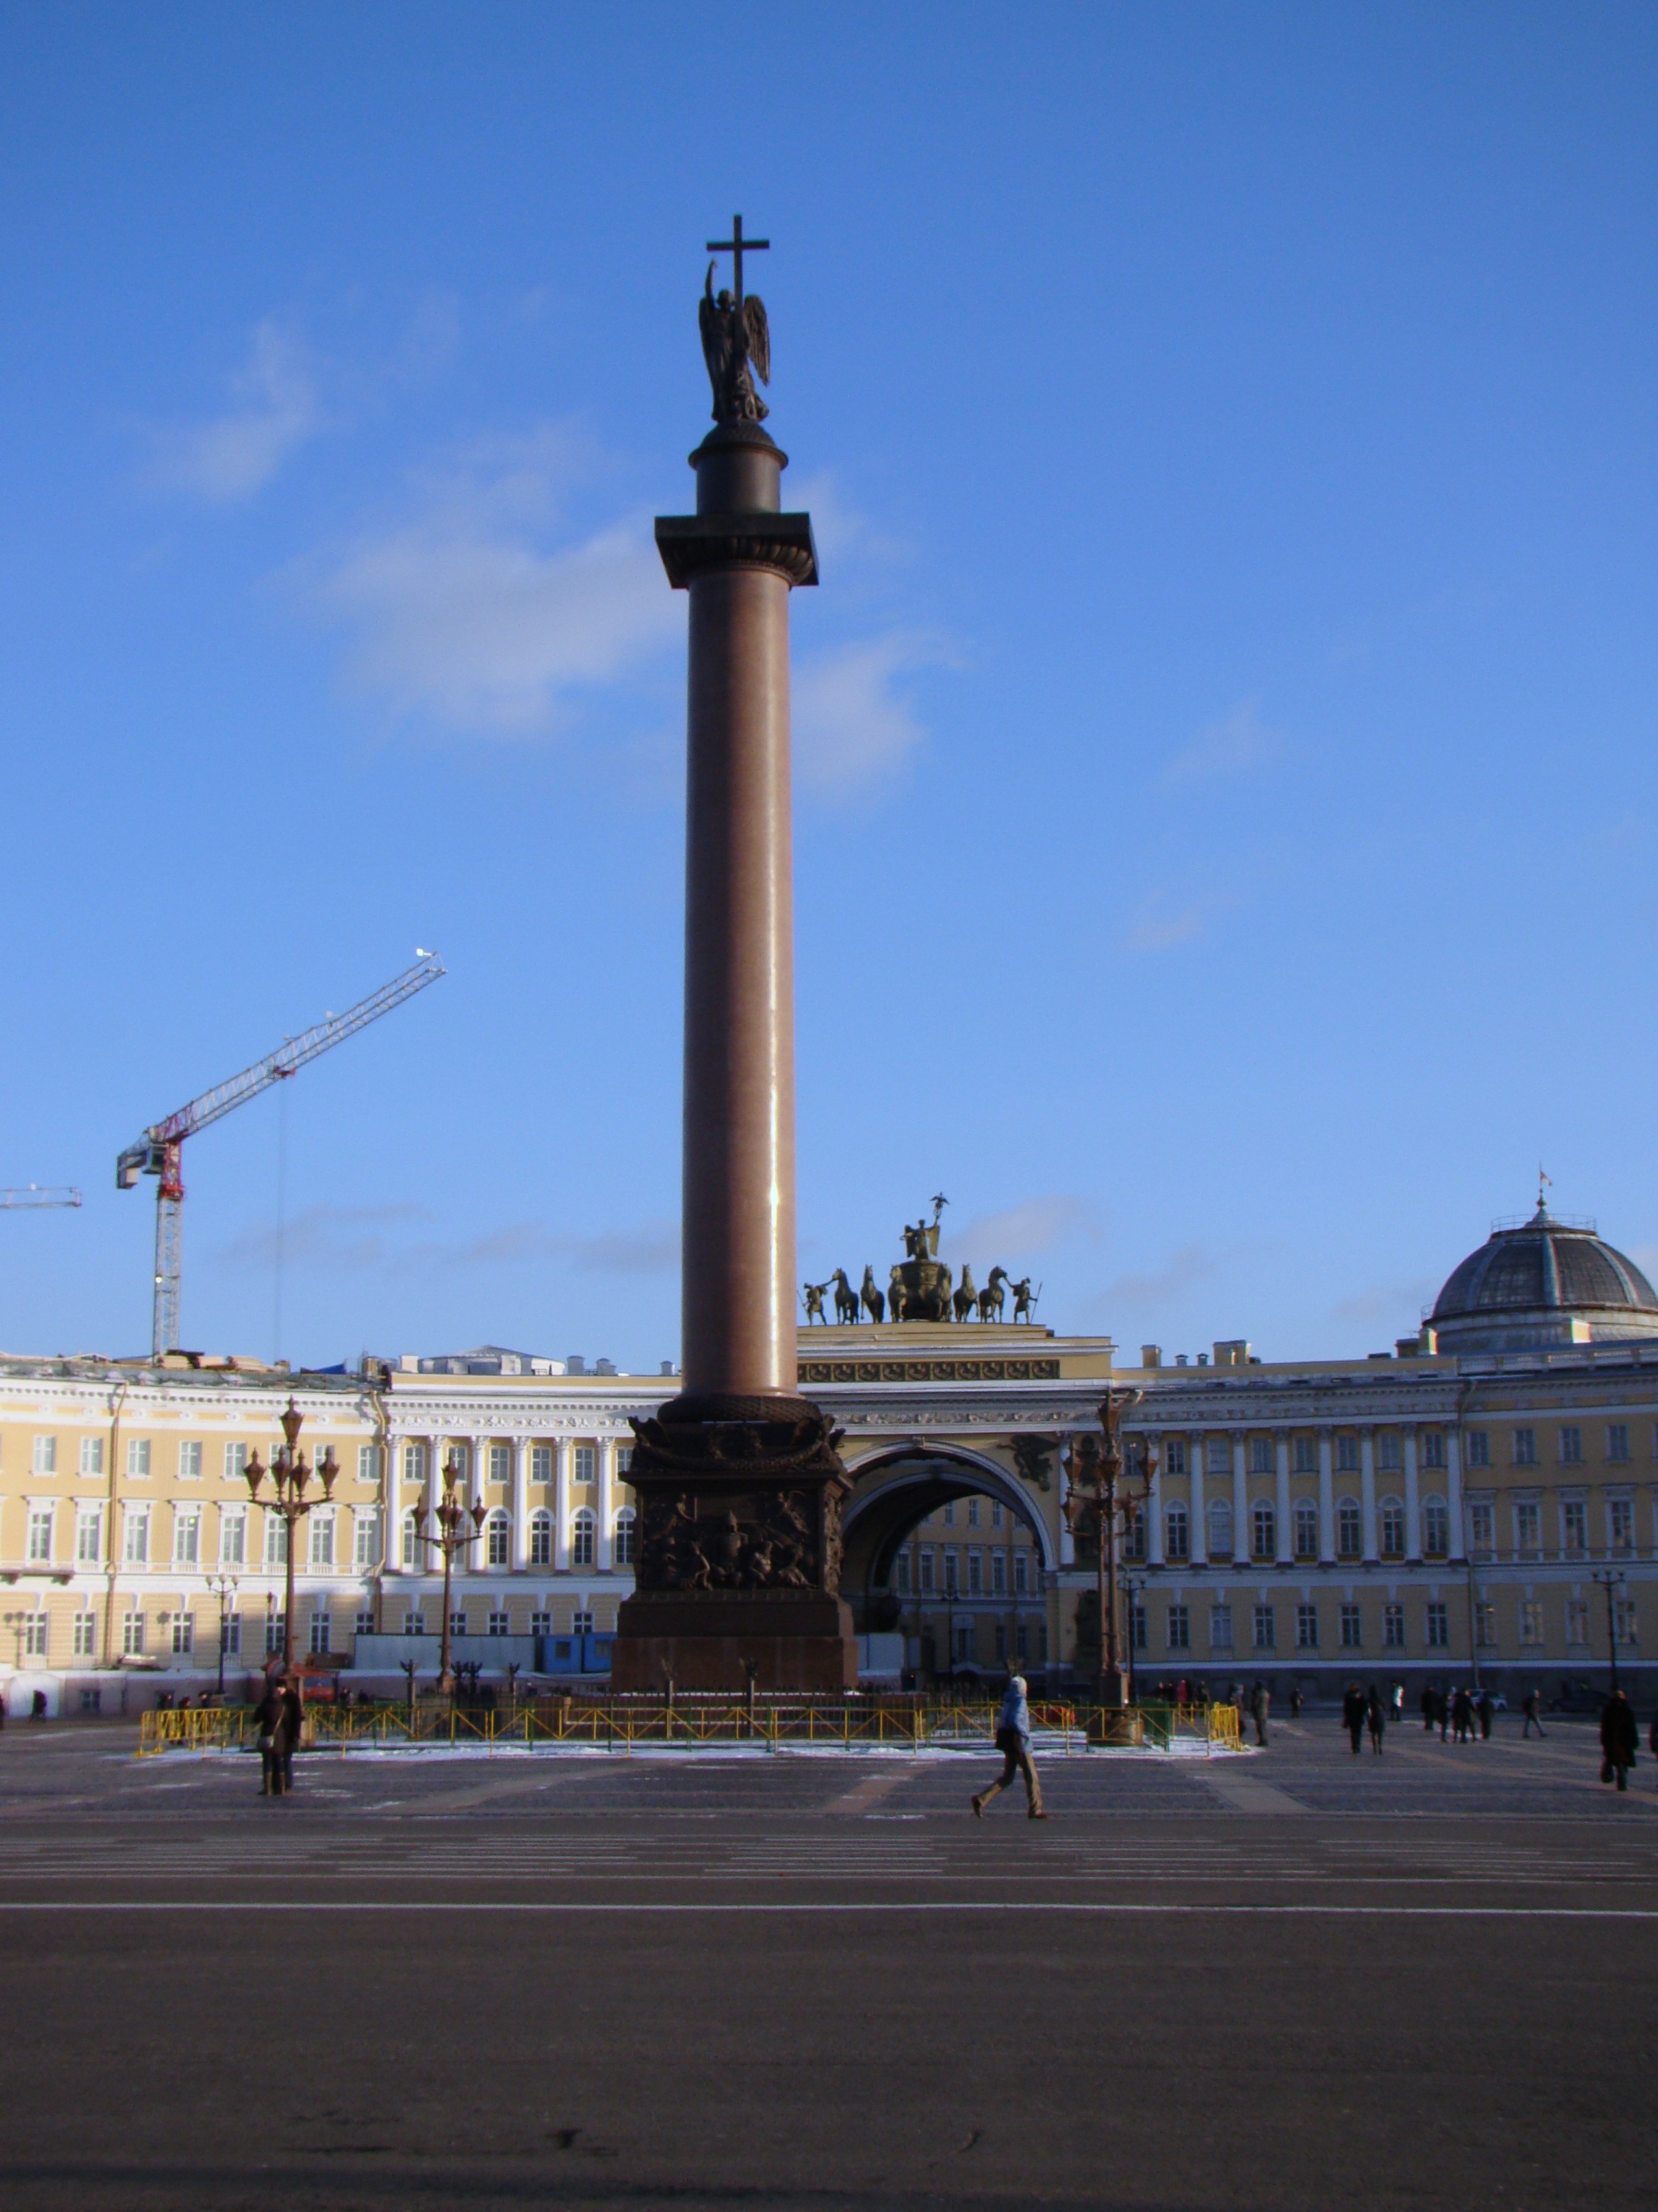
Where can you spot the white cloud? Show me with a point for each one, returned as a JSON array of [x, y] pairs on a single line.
[[276, 409], [465, 613], [1024, 1231], [854, 725], [1159, 927], [355, 1237], [1239, 744], [338, 1235]]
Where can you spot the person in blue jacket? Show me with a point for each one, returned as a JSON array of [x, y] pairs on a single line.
[[1013, 1741]]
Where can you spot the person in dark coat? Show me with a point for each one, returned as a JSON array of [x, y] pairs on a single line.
[[1443, 1706], [275, 1718], [1430, 1702], [1533, 1712], [1486, 1709], [1618, 1737], [1376, 1713], [1352, 1713], [1261, 1703], [295, 1706], [1462, 1716]]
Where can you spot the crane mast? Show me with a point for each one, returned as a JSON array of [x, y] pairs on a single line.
[[160, 1150]]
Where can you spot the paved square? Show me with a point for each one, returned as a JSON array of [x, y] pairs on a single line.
[[1299, 1979]]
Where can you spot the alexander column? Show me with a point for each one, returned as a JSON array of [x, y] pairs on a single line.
[[739, 1488]]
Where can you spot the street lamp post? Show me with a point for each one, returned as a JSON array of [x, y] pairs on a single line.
[[451, 1514], [1096, 1500], [1607, 1580], [223, 1587], [291, 1474]]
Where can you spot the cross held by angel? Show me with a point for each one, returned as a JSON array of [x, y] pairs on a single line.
[[736, 338]]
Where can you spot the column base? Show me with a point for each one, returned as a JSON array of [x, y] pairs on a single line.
[[720, 1643]]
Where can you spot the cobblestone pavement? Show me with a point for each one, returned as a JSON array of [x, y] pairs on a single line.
[[1298, 1978]]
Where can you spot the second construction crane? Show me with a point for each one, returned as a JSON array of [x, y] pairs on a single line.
[[160, 1150]]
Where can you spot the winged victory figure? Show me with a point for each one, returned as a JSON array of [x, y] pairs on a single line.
[[731, 347]]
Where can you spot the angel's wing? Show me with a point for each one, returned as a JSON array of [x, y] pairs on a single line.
[[758, 334], [716, 341]]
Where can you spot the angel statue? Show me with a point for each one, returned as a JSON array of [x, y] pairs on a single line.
[[732, 344]]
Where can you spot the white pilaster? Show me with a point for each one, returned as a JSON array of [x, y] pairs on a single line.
[[1326, 1503], [1454, 1489], [562, 1505], [1154, 1504], [1412, 1514], [520, 1503], [1199, 1526], [1240, 1504], [1285, 1545], [1367, 1491], [606, 1502]]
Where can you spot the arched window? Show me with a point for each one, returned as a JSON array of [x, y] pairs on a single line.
[[1306, 1530], [1263, 1530], [581, 1538], [498, 1536], [1220, 1529], [541, 1538], [1435, 1527], [624, 1550], [411, 1543], [1393, 1529], [1350, 1528]]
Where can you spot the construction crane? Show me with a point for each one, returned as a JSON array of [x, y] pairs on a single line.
[[160, 1150], [37, 1193]]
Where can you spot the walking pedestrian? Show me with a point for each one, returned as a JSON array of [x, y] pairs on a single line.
[[1396, 1701], [1295, 1703], [1462, 1716], [1532, 1709], [1442, 1705], [273, 1718], [1013, 1741], [1352, 1713], [295, 1705], [1429, 1700], [1261, 1702], [1376, 1713], [1618, 1737], [1487, 1712]]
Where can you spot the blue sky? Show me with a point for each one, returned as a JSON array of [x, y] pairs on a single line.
[[1226, 784]]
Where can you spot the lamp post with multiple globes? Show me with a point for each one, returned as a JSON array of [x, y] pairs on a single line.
[[291, 1475], [452, 1515]]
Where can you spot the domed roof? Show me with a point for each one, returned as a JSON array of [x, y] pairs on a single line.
[[1539, 1282]]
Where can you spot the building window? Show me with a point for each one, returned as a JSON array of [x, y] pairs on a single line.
[[1435, 1527], [1485, 1626], [135, 1549], [1260, 1455], [1620, 1521], [1001, 1641], [1266, 1629], [1133, 1542], [413, 1622], [364, 1622], [1177, 1533], [624, 1459], [1174, 1455], [1137, 1627], [1393, 1529], [459, 1456], [581, 1622], [366, 1541], [132, 1634], [89, 1535], [276, 1634], [275, 1539], [1022, 1641], [541, 1465], [138, 1457], [902, 1573], [85, 1635], [235, 1462], [414, 1463], [540, 1624], [1531, 1622], [1574, 1525], [1624, 1617], [623, 1549], [972, 1512], [92, 1455], [926, 1570], [1306, 1455], [321, 1633], [1306, 1628], [34, 1636], [952, 1572], [45, 1456], [1572, 1447], [231, 1635], [1220, 1529], [998, 1574], [1389, 1457], [1220, 1628], [1482, 1526], [499, 1625], [500, 1464], [1352, 1634], [1219, 1455], [190, 1462], [1306, 1530], [1393, 1627], [975, 1574], [1433, 1448], [499, 1540], [586, 1462], [1528, 1530], [997, 1516], [411, 1542], [541, 1538], [1435, 1625], [1263, 1529], [1348, 1454], [40, 1533], [322, 1540], [964, 1639], [582, 1529], [1478, 1443], [233, 1537], [183, 1633], [1618, 1440], [1525, 1448], [1350, 1528], [186, 1536], [1180, 1628], [949, 1513], [369, 1463], [1021, 1574], [457, 1622]]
